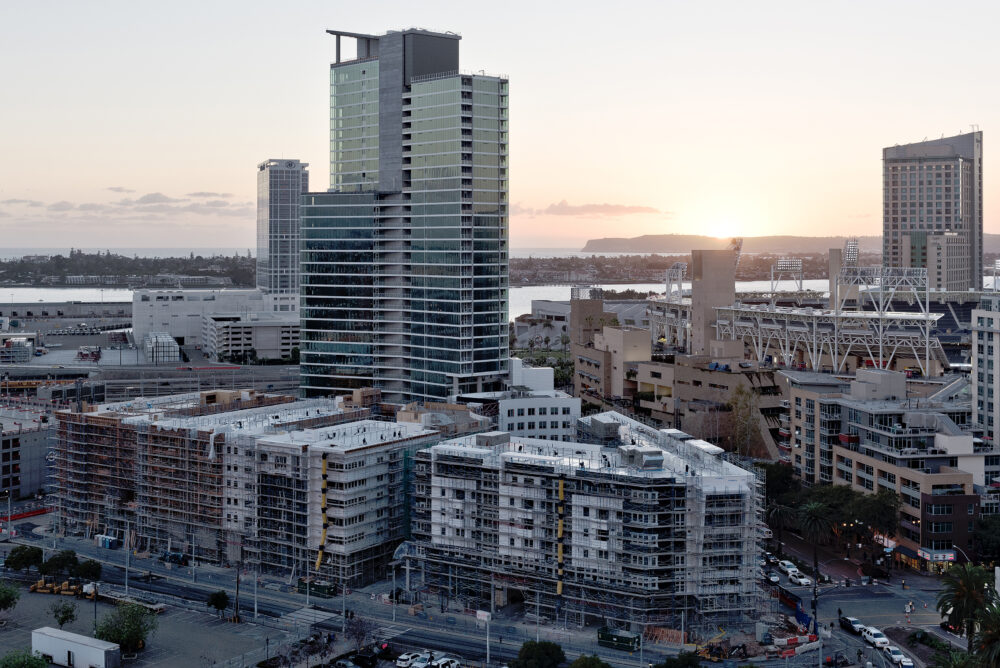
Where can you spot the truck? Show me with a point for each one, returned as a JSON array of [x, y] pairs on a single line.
[[63, 648]]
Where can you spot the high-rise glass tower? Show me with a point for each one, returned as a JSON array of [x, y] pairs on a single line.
[[933, 209], [280, 184], [404, 260]]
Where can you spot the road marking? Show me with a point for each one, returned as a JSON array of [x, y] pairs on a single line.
[[390, 632]]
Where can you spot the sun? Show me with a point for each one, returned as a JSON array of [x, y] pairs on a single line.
[[722, 229]]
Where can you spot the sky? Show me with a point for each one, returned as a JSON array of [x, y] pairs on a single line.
[[134, 124]]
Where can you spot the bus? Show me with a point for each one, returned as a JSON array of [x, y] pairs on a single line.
[[616, 639]]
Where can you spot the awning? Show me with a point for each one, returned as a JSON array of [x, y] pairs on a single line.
[[907, 552]]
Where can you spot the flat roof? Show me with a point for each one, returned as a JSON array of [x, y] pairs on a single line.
[[351, 435], [76, 637]]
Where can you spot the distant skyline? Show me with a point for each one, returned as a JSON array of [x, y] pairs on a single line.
[[135, 125]]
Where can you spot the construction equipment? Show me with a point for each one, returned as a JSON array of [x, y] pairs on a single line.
[[65, 588]]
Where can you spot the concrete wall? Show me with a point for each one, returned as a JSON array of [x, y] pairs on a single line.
[[713, 274]]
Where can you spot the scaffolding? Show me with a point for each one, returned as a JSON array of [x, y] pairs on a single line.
[[588, 534]]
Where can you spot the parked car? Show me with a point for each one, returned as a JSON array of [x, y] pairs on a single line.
[[771, 559], [423, 661], [364, 659], [874, 637], [852, 625], [796, 577], [896, 655], [345, 663], [787, 567], [447, 662], [406, 660], [772, 577]]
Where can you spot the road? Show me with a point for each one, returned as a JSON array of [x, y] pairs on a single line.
[[877, 605]]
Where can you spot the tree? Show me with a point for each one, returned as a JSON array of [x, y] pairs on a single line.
[[218, 600], [682, 660], [987, 538], [780, 484], [128, 625], [23, 658], [24, 557], [954, 660], [880, 512], [815, 523], [744, 418], [9, 596], [966, 591], [988, 635], [63, 612], [59, 563], [88, 570], [594, 661], [359, 630], [543, 654], [778, 516]]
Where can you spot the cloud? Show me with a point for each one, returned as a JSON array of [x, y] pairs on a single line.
[[26, 202], [90, 206], [4, 214], [564, 208], [517, 210], [61, 206], [156, 198], [120, 189], [208, 194]]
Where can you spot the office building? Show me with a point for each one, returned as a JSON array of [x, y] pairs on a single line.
[[933, 209], [280, 184], [650, 528], [404, 261]]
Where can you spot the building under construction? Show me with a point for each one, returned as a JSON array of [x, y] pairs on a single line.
[[160, 473], [649, 529]]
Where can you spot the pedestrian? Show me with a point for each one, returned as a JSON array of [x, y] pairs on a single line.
[[501, 640], [840, 613]]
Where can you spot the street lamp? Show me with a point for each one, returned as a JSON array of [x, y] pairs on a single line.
[[963, 552]]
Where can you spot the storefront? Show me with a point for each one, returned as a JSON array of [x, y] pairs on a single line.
[[937, 560]]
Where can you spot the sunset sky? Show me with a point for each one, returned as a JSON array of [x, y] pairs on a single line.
[[134, 124]]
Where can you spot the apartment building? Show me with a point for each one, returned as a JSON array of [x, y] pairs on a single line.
[[865, 432], [607, 366], [648, 529]]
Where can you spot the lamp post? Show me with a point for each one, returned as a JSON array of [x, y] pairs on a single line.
[[953, 545]]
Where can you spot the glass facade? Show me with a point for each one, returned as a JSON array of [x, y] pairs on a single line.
[[405, 288], [280, 184]]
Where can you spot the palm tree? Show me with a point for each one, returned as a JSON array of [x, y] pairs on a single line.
[[778, 516], [988, 636], [955, 660], [815, 523], [966, 592]]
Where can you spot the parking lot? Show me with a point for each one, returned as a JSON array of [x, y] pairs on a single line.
[[183, 637]]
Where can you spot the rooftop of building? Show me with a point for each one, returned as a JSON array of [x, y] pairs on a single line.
[[13, 420], [234, 411], [516, 392], [262, 318], [640, 451], [352, 436]]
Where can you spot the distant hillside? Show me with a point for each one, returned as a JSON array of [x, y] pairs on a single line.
[[685, 243]]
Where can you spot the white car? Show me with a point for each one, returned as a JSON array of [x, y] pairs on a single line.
[[875, 637], [797, 578], [406, 660], [787, 567], [895, 655], [447, 662]]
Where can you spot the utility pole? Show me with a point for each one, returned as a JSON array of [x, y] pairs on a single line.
[[393, 594], [256, 576], [127, 548]]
